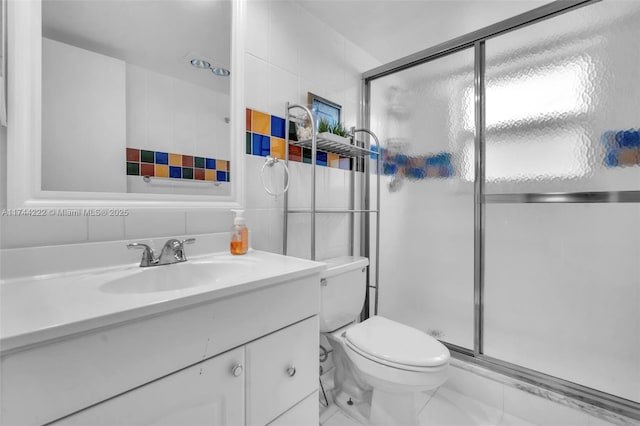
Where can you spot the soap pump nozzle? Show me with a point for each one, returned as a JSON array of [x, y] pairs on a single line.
[[238, 218]]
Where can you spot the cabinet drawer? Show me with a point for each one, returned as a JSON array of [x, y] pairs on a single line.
[[283, 369]]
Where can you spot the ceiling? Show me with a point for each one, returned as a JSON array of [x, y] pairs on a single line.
[[392, 29], [165, 34], [162, 35]]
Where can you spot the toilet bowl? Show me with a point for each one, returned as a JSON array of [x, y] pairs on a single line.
[[381, 365]]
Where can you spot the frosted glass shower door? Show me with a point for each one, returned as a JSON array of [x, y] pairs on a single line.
[[562, 281], [426, 276]]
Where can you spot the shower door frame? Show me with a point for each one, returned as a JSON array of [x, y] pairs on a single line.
[[476, 40]]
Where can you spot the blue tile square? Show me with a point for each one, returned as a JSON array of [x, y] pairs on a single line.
[[221, 176], [256, 144], [175, 172], [321, 158], [265, 146], [162, 158], [261, 145], [210, 163], [277, 127]]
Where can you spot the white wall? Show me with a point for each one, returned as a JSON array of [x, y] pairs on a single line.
[[83, 120], [288, 54], [3, 166], [171, 115]]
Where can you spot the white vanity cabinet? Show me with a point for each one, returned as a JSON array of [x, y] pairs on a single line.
[[249, 358], [271, 374]]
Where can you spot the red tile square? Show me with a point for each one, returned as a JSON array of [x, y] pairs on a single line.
[[295, 153], [187, 161], [133, 154], [248, 120], [198, 174], [147, 169]]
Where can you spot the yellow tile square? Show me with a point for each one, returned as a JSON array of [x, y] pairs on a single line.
[[221, 165], [210, 175], [175, 159], [261, 123], [162, 170], [277, 148], [333, 160]]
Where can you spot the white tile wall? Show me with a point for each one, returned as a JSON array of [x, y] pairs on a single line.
[[207, 221], [290, 53], [168, 114], [27, 231], [83, 123], [105, 228], [144, 224], [3, 166]]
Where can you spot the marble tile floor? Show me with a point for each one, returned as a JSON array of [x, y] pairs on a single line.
[[473, 396], [445, 407]]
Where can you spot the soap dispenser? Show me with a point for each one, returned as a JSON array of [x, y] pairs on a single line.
[[239, 234]]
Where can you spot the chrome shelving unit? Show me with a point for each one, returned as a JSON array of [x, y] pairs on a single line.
[[354, 150]]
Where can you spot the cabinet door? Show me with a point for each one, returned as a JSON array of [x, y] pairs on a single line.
[[282, 370], [304, 413], [208, 393]]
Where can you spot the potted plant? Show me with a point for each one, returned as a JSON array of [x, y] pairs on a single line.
[[335, 132]]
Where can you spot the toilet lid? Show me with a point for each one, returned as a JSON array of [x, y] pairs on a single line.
[[389, 341]]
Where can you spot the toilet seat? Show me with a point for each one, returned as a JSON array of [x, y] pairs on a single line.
[[396, 345]]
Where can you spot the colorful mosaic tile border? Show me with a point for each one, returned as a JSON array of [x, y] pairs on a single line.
[[265, 137], [622, 148], [141, 162], [416, 167]]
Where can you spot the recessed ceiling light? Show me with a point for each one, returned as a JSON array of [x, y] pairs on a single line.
[[223, 72], [200, 63]]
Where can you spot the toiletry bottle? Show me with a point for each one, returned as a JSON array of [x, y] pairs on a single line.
[[239, 234]]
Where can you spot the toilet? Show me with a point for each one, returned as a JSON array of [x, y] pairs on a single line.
[[381, 366]]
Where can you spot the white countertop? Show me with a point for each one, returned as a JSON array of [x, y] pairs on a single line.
[[42, 308]]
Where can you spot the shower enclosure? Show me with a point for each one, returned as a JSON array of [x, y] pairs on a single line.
[[510, 197]]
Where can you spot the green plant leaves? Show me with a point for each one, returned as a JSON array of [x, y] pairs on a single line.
[[335, 128]]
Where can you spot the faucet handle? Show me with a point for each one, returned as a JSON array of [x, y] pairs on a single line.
[[148, 256], [173, 250], [181, 255]]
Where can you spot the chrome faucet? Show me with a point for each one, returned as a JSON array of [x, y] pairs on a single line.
[[172, 252]]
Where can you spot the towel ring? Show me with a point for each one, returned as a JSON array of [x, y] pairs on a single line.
[[270, 162]]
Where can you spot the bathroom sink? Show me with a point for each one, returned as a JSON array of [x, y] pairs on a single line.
[[179, 276]]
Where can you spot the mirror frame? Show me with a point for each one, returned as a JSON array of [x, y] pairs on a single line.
[[24, 124]]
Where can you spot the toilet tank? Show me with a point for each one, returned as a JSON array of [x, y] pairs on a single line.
[[342, 291]]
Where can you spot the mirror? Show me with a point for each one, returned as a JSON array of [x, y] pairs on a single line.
[[131, 107], [130, 102]]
